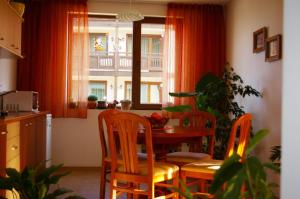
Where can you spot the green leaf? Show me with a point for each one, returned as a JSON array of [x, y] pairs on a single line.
[[256, 169], [180, 108], [205, 80], [48, 171], [183, 94], [55, 178], [229, 169], [256, 139], [272, 166], [5, 184]]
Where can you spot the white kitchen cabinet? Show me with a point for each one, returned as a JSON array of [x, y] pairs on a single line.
[[10, 28]]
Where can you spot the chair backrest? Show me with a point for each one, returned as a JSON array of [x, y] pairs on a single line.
[[124, 128], [102, 119], [241, 127], [205, 121]]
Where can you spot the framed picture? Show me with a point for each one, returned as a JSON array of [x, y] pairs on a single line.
[[273, 48], [259, 38]]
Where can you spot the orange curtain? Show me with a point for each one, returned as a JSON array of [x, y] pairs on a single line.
[[195, 45], [55, 47]]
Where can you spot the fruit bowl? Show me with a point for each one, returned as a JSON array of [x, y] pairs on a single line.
[[157, 123]]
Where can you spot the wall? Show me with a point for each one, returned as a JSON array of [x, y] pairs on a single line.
[[116, 7], [243, 18], [290, 102], [76, 142], [8, 71]]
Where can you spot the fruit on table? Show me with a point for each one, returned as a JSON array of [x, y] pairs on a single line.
[[156, 116]]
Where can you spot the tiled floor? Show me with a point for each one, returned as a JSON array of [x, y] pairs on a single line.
[[84, 182]]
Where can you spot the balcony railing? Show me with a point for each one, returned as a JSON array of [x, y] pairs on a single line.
[[122, 61]]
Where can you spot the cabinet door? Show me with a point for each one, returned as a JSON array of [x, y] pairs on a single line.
[[3, 133], [28, 143]]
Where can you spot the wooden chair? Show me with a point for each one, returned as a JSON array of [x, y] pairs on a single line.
[[204, 170], [105, 158], [134, 172], [207, 123]]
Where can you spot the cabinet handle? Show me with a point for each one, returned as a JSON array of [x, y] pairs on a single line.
[[3, 133], [16, 48], [30, 123], [13, 148], [12, 45], [1, 38], [26, 124]]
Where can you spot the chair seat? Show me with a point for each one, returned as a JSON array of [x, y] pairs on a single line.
[[141, 156], [161, 171], [187, 157], [208, 167]]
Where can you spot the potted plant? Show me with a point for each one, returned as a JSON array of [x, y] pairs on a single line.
[[233, 175], [217, 95], [35, 183], [92, 101], [125, 104]]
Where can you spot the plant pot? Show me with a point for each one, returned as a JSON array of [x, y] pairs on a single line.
[[125, 104], [102, 104], [92, 104]]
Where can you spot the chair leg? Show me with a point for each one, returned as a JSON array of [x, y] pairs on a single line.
[[103, 180], [176, 184], [183, 179], [151, 191], [113, 192]]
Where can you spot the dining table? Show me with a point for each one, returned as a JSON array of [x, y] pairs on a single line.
[[166, 138]]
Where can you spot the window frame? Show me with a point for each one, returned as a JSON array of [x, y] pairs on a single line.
[[136, 63], [136, 59]]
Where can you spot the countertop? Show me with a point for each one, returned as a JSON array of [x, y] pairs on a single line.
[[13, 117]]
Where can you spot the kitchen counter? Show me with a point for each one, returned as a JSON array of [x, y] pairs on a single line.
[[13, 117]]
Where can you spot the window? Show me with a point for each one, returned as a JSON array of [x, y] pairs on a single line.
[[125, 52], [98, 88], [150, 92]]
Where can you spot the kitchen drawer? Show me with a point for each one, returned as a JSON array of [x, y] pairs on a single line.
[[13, 130], [13, 148]]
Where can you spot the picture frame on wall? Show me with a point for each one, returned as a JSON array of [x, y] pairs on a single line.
[[273, 48], [259, 39]]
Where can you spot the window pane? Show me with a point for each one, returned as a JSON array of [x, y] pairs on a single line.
[[152, 62], [98, 89], [144, 94], [110, 57]]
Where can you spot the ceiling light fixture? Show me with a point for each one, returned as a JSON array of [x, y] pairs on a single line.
[[130, 15]]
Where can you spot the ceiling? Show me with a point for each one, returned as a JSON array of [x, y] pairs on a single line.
[[166, 1]]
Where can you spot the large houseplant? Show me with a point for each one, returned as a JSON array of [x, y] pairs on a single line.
[[218, 96], [236, 179], [34, 183]]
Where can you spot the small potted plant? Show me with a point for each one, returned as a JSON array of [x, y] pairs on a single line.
[[92, 101], [125, 104]]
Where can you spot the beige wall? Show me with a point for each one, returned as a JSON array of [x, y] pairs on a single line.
[[243, 18], [76, 142], [8, 71]]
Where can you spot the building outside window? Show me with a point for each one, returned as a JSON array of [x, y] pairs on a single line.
[[111, 48], [99, 89]]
